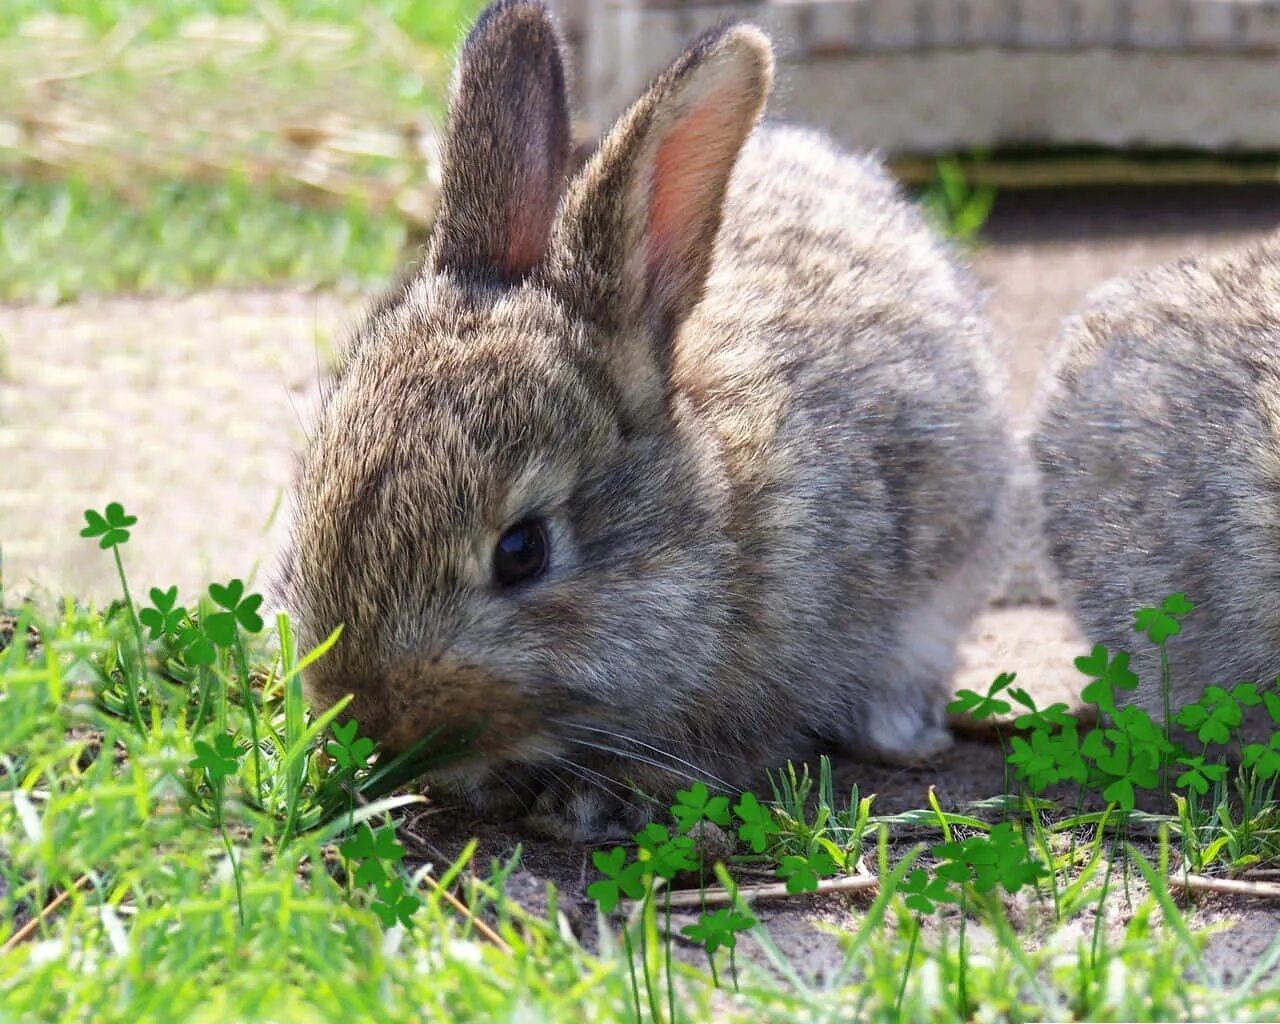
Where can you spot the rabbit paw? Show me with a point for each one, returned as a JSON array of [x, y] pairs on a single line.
[[905, 735], [572, 810], [582, 812]]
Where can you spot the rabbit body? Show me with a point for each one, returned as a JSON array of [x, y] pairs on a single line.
[[747, 399], [1158, 452]]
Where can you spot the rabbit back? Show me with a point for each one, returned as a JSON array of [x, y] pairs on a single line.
[[840, 357], [1158, 451]]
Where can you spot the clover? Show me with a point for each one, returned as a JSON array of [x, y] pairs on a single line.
[[665, 855], [196, 647], [371, 849], [240, 610], [350, 752], [1161, 623], [758, 824], [718, 928], [1199, 775], [1037, 760], [1217, 714], [621, 879], [1127, 763], [696, 804], [218, 760], [802, 873], [999, 858], [166, 616], [923, 894], [110, 525], [979, 707], [1109, 675], [1264, 759], [395, 903]]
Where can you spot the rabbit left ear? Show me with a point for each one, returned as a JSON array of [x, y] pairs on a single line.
[[506, 148]]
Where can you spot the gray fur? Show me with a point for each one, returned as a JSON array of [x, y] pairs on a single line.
[[1158, 450], [771, 446]]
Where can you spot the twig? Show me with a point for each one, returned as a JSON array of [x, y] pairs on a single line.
[[774, 891], [28, 929], [457, 904], [112, 49], [1203, 883]]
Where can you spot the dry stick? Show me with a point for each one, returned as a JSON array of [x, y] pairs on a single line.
[[28, 929], [1203, 883], [465, 911], [110, 50], [774, 891]]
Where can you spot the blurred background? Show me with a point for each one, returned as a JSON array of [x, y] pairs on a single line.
[[198, 196]]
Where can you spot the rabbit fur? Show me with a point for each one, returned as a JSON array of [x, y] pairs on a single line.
[[1158, 454], [746, 388]]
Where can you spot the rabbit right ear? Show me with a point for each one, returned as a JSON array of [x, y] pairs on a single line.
[[636, 234], [506, 149]]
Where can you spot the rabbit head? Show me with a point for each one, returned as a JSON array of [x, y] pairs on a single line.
[[501, 503]]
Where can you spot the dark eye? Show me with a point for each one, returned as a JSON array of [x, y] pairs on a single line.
[[522, 553]]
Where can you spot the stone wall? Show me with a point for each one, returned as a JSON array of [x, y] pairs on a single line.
[[930, 75]]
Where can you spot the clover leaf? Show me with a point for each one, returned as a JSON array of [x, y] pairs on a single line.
[[166, 616], [716, 929], [1162, 623], [980, 707], [196, 647], [395, 903], [110, 525], [758, 823], [621, 879], [923, 893], [802, 873], [1109, 674], [696, 804], [665, 855], [218, 760], [240, 610], [350, 752]]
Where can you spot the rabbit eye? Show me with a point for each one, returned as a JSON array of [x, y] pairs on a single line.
[[522, 553]]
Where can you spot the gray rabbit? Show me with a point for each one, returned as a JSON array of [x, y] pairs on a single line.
[[678, 469], [1158, 451]]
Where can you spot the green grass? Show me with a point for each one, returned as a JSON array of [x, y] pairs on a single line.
[[196, 143], [435, 22], [61, 240], [180, 839], [150, 148]]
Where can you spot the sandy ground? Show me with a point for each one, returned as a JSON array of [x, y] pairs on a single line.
[[188, 410]]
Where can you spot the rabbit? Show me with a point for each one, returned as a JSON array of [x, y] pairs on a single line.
[[671, 471], [1157, 449]]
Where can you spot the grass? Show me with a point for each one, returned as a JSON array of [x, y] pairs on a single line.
[[61, 240], [183, 840], [222, 143], [219, 143], [435, 22]]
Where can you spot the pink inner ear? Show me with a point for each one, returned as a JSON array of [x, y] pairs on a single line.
[[689, 169], [531, 207], [526, 237]]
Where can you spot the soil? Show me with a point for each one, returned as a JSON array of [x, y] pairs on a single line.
[[188, 409]]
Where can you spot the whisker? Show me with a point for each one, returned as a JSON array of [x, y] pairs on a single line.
[[699, 773], [631, 756], [615, 788], [684, 741], [507, 784]]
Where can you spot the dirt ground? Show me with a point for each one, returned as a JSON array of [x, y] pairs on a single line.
[[188, 409]]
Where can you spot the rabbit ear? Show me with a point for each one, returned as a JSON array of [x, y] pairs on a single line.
[[638, 226], [506, 148]]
